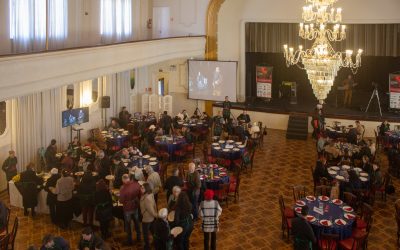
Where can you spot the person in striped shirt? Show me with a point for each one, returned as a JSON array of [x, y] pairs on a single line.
[[210, 211]]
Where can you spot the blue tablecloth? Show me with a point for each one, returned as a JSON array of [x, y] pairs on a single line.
[[232, 154], [334, 212], [391, 137], [344, 173], [213, 184], [171, 146], [140, 162]]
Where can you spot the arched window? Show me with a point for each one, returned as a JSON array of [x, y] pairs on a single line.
[[3, 117]]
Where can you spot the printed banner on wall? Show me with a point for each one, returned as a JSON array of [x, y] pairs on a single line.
[[264, 81], [394, 90]]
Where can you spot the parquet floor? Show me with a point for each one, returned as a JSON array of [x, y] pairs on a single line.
[[254, 221]]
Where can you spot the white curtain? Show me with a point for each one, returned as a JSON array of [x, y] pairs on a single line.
[[116, 20], [27, 25], [36, 120], [58, 23], [118, 88]]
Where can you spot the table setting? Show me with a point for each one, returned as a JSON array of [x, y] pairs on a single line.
[[170, 143], [116, 136], [327, 216], [228, 149], [340, 173], [212, 175]]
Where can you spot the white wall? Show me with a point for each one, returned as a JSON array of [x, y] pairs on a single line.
[[234, 14], [188, 17]]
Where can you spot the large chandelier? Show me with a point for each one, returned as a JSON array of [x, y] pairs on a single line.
[[321, 62]]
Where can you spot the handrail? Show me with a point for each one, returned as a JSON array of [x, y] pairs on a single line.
[[93, 46]]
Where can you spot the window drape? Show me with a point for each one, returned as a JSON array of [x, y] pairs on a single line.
[[116, 20], [58, 23], [374, 39]]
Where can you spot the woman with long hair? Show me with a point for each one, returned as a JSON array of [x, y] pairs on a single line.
[[104, 206], [184, 219]]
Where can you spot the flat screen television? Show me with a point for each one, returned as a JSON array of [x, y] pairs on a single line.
[[212, 80], [75, 116]]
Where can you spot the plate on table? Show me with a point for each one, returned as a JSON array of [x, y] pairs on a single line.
[[153, 159], [364, 174], [332, 172], [337, 202], [146, 156], [323, 198], [346, 167], [358, 169], [214, 166], [171, 216], [79, 173], [326, 223], [241, 146], [95, 174], [153, 163], [236, 149], [110, 177], [349, 216], [310, 218], [216, 177], [221, 141], [217, 148], [339, 177], [363, 179], [226, 150], [297, 210], [58, 155], [176, 231], [310, 198], [230, 141], [222, 174], [340, 222], [335, 168], [126, 164], [348, 209], [203, 176], [215, 144], [222, 169], [238, 143], [300, 203], [104, 132], [203, 165]]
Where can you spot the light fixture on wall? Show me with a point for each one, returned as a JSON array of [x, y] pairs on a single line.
[[321, 61]]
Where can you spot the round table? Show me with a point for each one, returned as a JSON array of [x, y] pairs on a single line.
[[341, 174], [331, 212], [220, 176], [170, 143], [229, 149], [116, 137], [141, 161]]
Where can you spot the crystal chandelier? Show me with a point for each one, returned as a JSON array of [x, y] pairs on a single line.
[[321, 62]]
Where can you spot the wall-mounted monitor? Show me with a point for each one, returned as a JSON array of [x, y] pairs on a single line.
[[75, 116], [212, 80]]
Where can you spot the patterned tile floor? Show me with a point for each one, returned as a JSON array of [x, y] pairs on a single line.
[[254, 221]]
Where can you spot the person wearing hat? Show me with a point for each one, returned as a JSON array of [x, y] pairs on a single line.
[[210, 211], [119, 171], [163, 239], [153, 178], [30, 187], [10, 166], [129, 196], [303, 234], [51, 199]]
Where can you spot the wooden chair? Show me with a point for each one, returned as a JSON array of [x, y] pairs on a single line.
[[397, 216], [222, 193], [190, 149], [234, 185], [365, 216], [328, 241], [4, 240], [323, 190], [13, 235], [299, 192], [351, 200], [385, 184], [5, 229], [286, 225], [289, 213], [314, 179], [354, 243]]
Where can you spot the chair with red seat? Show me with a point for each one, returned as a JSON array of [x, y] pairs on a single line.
[[286, 224], [299, 192], [289, 213], [234, 184], [328, 241], [4, 241], [180, 154], [357, 232], [211, 159], [222, 193], [190, 148], [365, 216], [351, 200], [356, 242], [385, 184], [13, 234]]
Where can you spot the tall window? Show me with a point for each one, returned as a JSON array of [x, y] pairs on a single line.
[[116, 20], [3, 117], [28, 23]]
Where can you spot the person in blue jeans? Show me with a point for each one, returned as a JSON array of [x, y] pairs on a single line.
[[183, 218], [194, 185]]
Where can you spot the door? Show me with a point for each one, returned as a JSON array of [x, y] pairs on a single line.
[[161, 21]]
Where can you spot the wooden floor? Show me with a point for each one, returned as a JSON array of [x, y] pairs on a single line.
[[254, 221]]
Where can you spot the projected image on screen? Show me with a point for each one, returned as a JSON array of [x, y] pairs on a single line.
[[212, 80]]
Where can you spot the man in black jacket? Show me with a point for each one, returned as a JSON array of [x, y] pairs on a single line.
[[51, 197], [89, 240], [303, 234], [321, 169]]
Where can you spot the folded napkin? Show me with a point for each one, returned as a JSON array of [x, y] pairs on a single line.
[[339, 222], [325, 222]]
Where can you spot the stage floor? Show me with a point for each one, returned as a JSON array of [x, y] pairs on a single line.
[[330, 110]]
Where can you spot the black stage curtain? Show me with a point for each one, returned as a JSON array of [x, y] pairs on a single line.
[[373, 69]]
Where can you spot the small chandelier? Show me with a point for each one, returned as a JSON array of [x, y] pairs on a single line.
[[321, 62]]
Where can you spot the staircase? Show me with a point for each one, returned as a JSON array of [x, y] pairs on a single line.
[[297, 127]]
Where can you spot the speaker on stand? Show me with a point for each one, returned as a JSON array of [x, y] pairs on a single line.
[[105, 104]]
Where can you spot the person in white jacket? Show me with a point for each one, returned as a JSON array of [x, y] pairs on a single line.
[[210, 211]]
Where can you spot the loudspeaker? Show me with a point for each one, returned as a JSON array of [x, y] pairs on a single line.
[[105, 102]]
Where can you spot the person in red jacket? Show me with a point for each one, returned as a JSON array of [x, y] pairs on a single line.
[[129, 196]]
